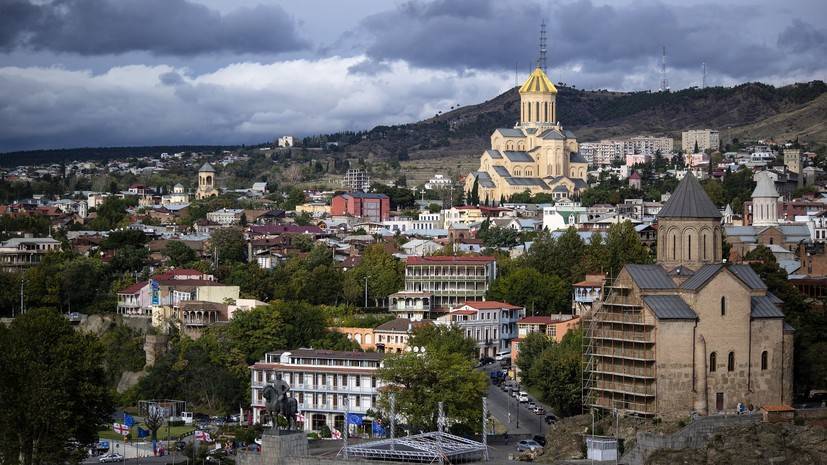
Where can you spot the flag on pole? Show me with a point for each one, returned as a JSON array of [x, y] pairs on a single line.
[[378, 429], [202, 436], [128, 420], [335, 434], [121, 429], [354, 419], [142, 433]]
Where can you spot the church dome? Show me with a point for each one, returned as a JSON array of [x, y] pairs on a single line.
[[765, 186], [538, 82]]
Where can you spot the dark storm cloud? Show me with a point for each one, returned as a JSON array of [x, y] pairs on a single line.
[[615, 39], [162, 27]]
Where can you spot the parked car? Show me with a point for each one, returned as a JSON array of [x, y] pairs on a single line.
[[503, 356], [528, 445], [486, 361], [539, 410], [550, 418], [531, 406], [540, 439], [113, 457], [515, 393], [523, 397]]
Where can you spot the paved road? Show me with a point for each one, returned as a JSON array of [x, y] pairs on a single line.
[[501, 404]]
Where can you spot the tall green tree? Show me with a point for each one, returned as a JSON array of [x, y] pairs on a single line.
[[540, 294], [178, 253], [557, 373], [448, 339], [384, 275], [228, 244], [50, 390]]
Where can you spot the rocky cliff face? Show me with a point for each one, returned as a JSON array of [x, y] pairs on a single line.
[[762, 443]]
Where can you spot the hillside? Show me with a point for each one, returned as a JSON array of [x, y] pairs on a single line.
[[748, 110]]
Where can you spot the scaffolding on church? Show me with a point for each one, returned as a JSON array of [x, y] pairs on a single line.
[[618, 354]]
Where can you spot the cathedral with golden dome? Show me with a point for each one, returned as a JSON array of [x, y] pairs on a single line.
[[537, 154]]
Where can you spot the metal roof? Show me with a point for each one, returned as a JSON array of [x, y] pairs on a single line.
[[518, 156], [206, 168], [669, 307], [746, 274], [689, 201], [484, 180], [765, 186], [526, 182], [553, 134], [577, 158], [650, 276], [429, 447], [762, 307], [510, 132], [495, 154], [501, 170], [700, 278]]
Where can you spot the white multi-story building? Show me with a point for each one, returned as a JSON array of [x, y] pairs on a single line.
[[492, 324], [226, 216], [707, 139], [439, 181], [648, 145], [356, 180], [285, 141], [325, 383]]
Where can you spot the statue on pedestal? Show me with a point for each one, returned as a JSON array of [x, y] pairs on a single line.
[[277, 402]]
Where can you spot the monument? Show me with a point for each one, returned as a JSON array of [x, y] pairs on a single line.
[[278, 444]]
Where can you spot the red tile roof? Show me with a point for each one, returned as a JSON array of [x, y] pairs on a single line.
[[451, 260], [134, 288]]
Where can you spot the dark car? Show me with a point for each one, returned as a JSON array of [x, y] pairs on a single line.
[[541, 440], [486, 361], [550, 419]]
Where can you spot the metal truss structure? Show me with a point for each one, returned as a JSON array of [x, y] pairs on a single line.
[[433, 447]]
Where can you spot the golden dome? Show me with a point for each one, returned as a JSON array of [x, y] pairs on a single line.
[[538, 82]]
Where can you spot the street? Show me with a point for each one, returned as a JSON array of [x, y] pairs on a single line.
[[500, 404], [138, 452]]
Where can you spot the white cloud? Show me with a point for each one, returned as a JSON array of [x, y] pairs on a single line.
[[239, 103]]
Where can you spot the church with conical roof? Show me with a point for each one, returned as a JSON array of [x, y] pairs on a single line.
[[537, 154], [690, 332]]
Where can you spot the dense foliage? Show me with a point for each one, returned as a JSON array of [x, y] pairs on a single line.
[[554, 369]]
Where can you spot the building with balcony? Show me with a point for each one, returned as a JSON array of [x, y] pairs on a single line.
[[586, 293], [690, 333], [492, 324], [325, 383], [20, 253], [449, 281]]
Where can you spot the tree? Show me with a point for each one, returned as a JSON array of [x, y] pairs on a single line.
[[531, 347], [540, 294], [557, 373], [127, 237], [449, 339], [383, 272], [474, 195], [228, 245], [179, 253], [696, 149], [50, 391], [622, 246], [498, 237], [419, 381], [129, 259]]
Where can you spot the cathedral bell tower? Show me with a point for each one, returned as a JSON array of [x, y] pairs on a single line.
[[538, 96]]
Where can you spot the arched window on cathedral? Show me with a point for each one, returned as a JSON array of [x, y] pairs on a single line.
[[674, 246], [529, 172], [537, 109], [723, 305], [730, 362], [703, 244], [528, 113], [713, 362], [517, 172], [765, 362]]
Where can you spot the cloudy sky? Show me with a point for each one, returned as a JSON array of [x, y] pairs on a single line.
[[77, 73]]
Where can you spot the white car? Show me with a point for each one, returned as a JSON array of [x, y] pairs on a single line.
[[523, 397], [528, 444], [502, 356], [114, 457]]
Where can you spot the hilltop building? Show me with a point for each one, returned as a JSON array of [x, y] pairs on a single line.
[[689, 333], [706, 139], [206, 182], [537, 155]]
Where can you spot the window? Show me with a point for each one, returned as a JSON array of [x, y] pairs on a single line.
[[689, 247], [723, 305], [730, 362], [713, 362], [764, 360]]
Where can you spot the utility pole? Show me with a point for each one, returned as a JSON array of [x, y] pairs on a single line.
[[485, 428], [346, 400], [22, 309], [440, 426], [393, 420]]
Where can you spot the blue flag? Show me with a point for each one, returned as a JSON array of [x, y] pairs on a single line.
[[354, 419], [128, 420], [142, 433], [378, 429]]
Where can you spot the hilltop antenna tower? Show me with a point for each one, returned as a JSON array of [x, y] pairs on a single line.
[[664, 83], [703, 79], [541, 60]]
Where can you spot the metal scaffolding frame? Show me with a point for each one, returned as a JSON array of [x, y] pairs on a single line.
[[433, 447], [618, 355]]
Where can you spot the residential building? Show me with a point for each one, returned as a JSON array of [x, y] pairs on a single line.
[[439, 181], [563, 216], [286, 141], [706, 139], [392, 336], [325, 383], [648, 145], [226, 216], [491, 324], [587, 292], [555, 327], [20, 253], [689, 333], [537, 155], [179, 196], [445, 281], [356, 179], [368, 207]]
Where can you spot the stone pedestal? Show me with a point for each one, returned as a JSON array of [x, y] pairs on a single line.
[[277, 448]]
